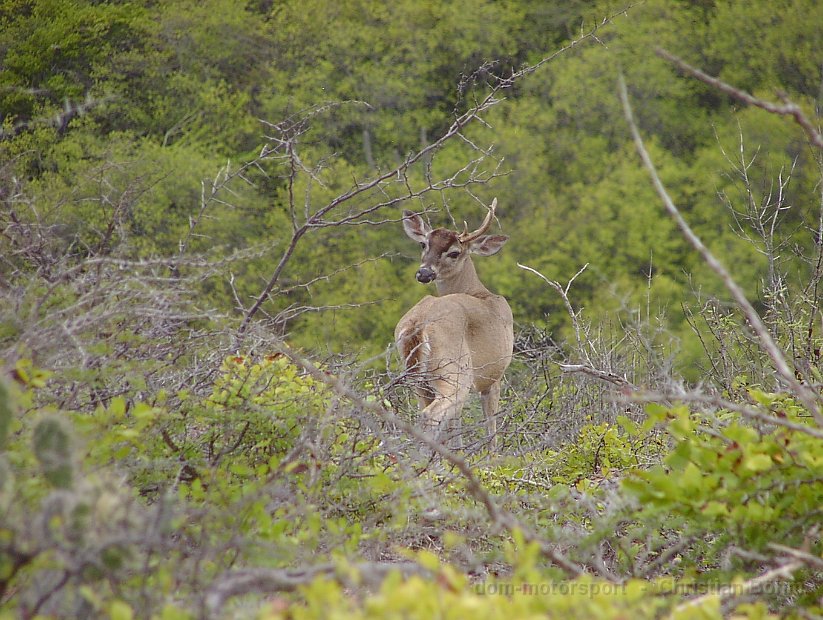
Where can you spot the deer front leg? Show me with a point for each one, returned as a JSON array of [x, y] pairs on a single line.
[[489, 401]]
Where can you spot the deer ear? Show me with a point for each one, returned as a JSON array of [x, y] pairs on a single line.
[[415, 227], [487, 244]]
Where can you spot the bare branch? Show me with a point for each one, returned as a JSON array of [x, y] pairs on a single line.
[[806, 395], [603, 375], [784, 571], [499, 516], [787, 108], [564, 294]]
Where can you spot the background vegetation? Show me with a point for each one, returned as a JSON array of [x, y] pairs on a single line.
[[201, 265]]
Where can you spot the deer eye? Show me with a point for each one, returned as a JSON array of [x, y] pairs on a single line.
[[423, 244], [454, 254]]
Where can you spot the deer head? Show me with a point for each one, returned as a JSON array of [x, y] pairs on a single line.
[[445, 252]]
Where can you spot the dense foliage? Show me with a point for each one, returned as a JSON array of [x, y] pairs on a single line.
[[201, 266]]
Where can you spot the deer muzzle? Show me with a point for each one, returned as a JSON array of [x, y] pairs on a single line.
[[425, 275]]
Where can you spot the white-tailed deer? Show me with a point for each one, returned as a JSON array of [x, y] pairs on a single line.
[[462, 338]]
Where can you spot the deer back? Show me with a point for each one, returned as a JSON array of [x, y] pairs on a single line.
[[466, 324]]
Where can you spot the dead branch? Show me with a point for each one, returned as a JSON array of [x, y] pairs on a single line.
[[563, 291], [603, 375], [787, 108], [499, 516], [806, 395]]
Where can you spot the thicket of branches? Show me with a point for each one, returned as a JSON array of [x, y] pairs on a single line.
[[167, 451]]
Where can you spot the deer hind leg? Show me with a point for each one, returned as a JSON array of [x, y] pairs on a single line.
[[415, 348], [451, 389], [450, 378], [489, 401]]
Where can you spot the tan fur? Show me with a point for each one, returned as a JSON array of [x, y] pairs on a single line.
[[462, 339]]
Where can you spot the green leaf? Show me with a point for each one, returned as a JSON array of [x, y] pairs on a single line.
[[427, 560], [118, 610], [757, 462], [144, 412], [117, 407], [51, 444], [714, 508], [5, 413]]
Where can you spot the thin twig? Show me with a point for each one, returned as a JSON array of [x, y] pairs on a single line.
[[603, 375]]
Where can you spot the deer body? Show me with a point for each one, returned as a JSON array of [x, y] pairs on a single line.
[[462, 339]]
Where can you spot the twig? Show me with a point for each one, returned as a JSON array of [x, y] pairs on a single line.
[[563, 291], [807, 396], [603, 375]]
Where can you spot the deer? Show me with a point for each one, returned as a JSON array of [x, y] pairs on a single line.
[[463, 338]]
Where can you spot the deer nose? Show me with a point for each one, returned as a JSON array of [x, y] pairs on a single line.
[[425, 275]]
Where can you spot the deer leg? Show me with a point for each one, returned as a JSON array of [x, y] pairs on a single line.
[[451, 389], [425, 396], [489, 401]]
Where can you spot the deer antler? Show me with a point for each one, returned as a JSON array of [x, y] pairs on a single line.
[[467, 237]]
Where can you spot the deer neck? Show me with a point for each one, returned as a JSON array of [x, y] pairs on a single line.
[[464, 281]]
